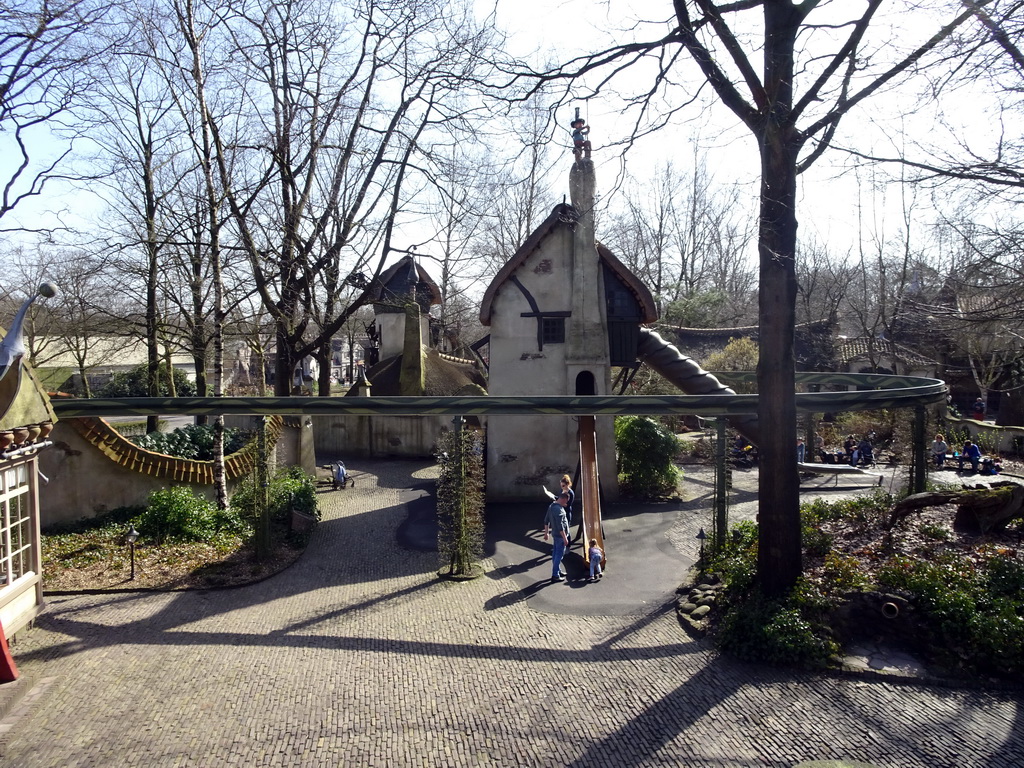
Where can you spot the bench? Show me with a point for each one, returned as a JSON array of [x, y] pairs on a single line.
[[836, 470]]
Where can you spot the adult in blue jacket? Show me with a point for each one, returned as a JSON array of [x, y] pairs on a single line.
[[971, 453]]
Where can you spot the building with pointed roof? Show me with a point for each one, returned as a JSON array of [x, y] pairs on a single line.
[[562, 312]]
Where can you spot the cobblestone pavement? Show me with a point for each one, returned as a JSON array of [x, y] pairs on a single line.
[[359, 656]]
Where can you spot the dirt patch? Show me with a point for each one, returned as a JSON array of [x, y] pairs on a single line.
[[924, 534], [104, 563]]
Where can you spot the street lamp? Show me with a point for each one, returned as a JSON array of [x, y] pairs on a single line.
[[700, 537], [132, 535]]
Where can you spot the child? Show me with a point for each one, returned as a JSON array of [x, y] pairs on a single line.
[[596, 556], [580, 143]]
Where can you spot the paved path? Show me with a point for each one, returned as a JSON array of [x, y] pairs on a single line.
[[359, 656]]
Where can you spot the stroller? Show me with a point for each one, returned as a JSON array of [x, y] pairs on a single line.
[[743, 454]]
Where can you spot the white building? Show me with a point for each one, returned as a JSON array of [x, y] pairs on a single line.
[[562, 312]]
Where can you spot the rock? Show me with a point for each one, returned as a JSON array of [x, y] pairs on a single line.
[[700, 611]]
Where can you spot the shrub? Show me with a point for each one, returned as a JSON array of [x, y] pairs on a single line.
[[971, 610], [758, 629], [736, 558], [841, 574], [177, 514], [194, 441], [935, 531], [646, 452], [738, 355], [133, 383], [460, 501], [861, 509], [290, 488]]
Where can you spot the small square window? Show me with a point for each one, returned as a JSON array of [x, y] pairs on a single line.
[[553, 330]]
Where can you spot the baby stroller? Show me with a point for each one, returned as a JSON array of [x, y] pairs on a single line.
[[743, 455], [340, 476]]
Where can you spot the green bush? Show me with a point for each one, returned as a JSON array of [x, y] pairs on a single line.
[[290, 488], [971, 610], [133, 383], [194, 441], [841, 574], [762, 630], [460, 501], [934, 531], [177, 514], [862, 509], [757, 629], [646, 452]]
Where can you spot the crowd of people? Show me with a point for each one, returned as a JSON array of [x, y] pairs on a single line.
[[855, 452]]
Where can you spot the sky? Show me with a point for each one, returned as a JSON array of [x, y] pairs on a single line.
[[837, 207]]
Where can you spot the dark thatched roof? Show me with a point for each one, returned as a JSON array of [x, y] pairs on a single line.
[[444, 376]]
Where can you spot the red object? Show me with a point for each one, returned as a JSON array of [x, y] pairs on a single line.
[[8, 670]]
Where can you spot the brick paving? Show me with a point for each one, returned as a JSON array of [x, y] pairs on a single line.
[[359, 656]]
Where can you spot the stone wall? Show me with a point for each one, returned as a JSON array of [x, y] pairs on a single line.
[[91, 468]]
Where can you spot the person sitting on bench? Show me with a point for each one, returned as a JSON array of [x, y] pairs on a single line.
[[972, 453]]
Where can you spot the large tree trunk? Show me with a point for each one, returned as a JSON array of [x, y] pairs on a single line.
[[284, 363], [779, 547]]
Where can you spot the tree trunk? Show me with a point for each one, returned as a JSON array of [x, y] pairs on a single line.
[[152, 253], [779, 546], [324, 356], [284, 363]]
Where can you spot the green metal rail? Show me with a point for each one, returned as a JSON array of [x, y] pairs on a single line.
[[876, 391]]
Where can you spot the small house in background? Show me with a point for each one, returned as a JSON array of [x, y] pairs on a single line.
[[400, 361], [562, 312]]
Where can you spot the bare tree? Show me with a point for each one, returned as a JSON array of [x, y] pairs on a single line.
[[823, 280], [46, 49], [138, 139], [337, 112], [817, 62], [689, 240]]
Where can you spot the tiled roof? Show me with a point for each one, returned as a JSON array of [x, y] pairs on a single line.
[[862, 347], [122, 451]]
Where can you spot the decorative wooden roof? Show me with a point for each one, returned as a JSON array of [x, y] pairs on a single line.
[[120, 450], [566, 216], [862, 348], [814, 342]]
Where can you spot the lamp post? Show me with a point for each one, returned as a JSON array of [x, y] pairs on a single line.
[[700, 537], [132, 535]]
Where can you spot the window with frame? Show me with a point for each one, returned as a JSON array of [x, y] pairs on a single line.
[[552, 330], [15, 523]]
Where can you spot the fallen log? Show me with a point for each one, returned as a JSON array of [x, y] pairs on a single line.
[[990, 509], [917, 502]]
